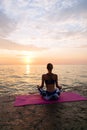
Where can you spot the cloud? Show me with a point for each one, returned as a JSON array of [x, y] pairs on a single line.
[[6, 44], [46, 23], [83, 46], [70, 15], [68, 9], [6, 25]]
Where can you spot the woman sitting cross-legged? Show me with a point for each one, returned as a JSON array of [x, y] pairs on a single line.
[[53, 90]]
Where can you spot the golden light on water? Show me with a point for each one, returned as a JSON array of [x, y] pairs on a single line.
[[27, 69]]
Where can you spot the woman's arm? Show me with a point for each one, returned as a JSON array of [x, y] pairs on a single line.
[[42, 82], [57, 85]]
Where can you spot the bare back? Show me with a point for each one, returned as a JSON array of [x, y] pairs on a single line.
[[51, 81]]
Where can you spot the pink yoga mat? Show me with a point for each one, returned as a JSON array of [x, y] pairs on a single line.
[[23, 100]]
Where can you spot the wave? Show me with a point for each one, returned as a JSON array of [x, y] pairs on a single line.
[[16, 80]]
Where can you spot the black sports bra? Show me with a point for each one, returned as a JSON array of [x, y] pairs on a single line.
[[50, 80]]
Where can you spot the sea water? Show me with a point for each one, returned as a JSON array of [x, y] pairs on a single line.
[[23, 79]]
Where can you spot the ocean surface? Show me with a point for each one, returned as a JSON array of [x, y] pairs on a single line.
[[23, 79]]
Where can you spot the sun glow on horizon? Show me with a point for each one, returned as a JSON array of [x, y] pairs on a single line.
[[27, 57]]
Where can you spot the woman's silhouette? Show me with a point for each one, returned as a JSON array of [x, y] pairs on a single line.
[[53, 90]]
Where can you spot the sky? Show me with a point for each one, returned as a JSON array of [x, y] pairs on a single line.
[[42, 31]]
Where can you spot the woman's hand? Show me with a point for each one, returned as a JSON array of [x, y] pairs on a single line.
[[38, 86], [60, 87]]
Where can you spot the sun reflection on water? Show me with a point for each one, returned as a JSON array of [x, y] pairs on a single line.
[[27, 69]]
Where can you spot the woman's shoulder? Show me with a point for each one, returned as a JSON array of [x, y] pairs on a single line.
[[47, 74], [44, 75], [54, 74]]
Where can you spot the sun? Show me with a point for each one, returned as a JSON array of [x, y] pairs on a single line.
[[27, 57]]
